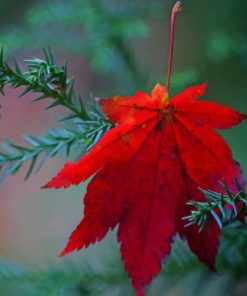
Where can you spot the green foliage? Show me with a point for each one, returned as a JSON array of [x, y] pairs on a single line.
[[45, 77], [225, 209], [182, 271], [49, 145], [221, 46], [101, 31], [60, 279]]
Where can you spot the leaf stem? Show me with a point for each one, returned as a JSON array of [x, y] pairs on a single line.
[[176, 8]]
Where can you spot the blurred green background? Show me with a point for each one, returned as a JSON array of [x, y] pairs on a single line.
[[113, 47]]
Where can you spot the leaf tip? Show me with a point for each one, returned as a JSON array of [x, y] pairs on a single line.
[[62, 254], [203, 87]]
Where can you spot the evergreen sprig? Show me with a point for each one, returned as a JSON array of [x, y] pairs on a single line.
[[226, 208], [45, 77], [14, 156], [39, 149]]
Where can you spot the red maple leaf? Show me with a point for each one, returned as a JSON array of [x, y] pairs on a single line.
[[146, 169]]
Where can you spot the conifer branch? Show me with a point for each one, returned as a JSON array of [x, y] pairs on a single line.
[[225, 208], [45, 77], [39, 149]]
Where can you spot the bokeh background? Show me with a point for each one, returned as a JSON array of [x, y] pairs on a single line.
[[113, 47]]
